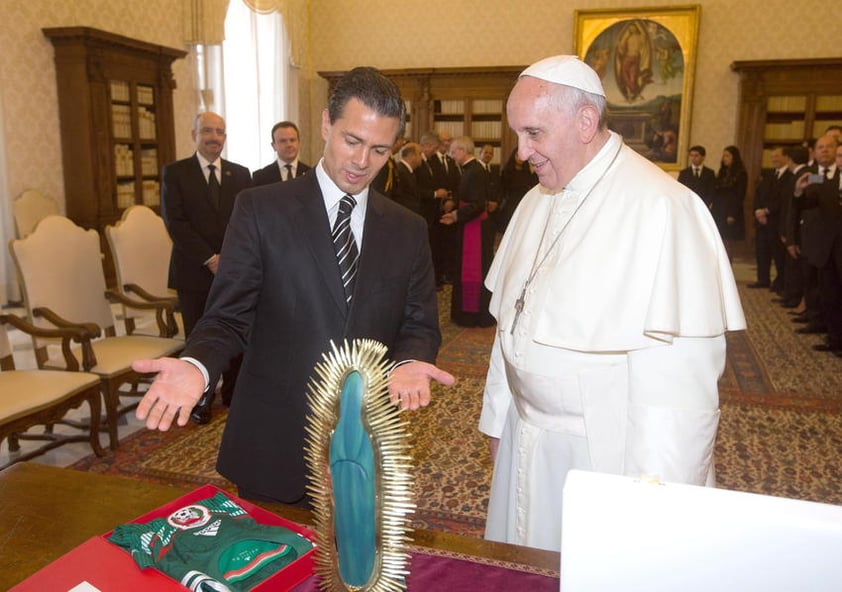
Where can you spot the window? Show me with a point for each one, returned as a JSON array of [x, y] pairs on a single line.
[[248, 80]]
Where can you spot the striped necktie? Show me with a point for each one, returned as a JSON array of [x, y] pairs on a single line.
[[345, 246]]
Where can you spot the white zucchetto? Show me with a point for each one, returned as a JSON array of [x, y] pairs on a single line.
[[568, 70]]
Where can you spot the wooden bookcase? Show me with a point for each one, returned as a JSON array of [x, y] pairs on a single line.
[[783, 103], [116, 118], [464, 101]]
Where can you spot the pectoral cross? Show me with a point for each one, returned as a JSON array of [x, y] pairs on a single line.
[[519, 307]]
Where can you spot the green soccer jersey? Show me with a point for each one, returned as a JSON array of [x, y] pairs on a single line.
[[212, 545]]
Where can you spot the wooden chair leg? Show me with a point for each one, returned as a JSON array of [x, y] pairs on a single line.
[[112, 405], [95, 405]]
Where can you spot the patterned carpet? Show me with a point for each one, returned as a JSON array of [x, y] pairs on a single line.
[[780, 433]]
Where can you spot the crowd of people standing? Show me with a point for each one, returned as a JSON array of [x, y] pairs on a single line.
[[797, 210]]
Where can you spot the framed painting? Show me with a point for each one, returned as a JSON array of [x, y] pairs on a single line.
[[646, 59]]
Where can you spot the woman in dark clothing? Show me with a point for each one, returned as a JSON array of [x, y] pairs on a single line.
[[516, 179], [728, 196]]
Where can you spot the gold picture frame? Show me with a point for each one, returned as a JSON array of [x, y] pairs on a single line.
[[646, 58]]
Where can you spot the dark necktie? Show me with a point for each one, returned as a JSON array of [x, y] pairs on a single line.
[[697, 173], [288, 167], [214, 190], [443, 161], [346, 248]]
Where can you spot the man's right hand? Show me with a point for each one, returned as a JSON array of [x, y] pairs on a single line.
[[177, 388]]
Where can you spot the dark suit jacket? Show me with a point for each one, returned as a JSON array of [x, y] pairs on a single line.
[[278, 297], [795, 210], [495, 187], [446, 178], [195, 226], [822, 220], [405, 191], [271, 173], [426, 182], [768, 195], [703, 186]]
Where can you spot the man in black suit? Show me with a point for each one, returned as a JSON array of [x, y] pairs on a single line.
[[446, 173], [768, 247], [286, 141], [796, 162], [814, 240], [279, 297], [823, 236], [495, 188], [431, 187], [444, 166], [405, 191], [699, 178], [197, 198]]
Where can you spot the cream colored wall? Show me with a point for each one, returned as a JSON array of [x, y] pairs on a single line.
[[445, 33], [28, 80], [387, 34]]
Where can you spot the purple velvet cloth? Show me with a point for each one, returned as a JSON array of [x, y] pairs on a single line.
[[432, 573]]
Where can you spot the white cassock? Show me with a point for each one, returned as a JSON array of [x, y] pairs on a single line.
[[613, 363]]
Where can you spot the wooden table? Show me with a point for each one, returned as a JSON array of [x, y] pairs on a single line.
[[46, 511]]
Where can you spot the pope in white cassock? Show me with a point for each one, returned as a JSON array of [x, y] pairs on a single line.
[[612, 293]]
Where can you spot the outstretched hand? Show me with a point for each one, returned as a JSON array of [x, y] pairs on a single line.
[[409, 384], [177, 388]]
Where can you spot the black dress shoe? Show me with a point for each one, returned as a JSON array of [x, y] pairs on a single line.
[[757, 285], [790, 303], [811, 328], [800, 319], [826, 347]]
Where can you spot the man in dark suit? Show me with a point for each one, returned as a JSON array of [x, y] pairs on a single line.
[[495, 189], [699, 178], [279, 297], [446, 174], [431, 188], [197, 197], [405, 191], [796, 163], [286, 142], [822, 244], [768, 246]]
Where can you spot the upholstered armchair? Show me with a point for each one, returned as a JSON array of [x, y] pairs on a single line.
[[140, 248], [33, 398]]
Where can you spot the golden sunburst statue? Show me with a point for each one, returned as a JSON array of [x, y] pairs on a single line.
[[360, 477]]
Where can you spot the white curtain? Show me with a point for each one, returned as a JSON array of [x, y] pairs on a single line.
[[255, 85]]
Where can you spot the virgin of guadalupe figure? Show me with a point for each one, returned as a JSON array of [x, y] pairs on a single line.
[[633, 60]]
